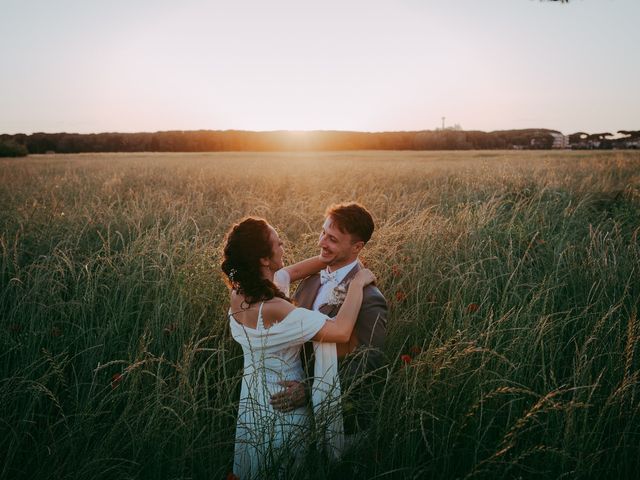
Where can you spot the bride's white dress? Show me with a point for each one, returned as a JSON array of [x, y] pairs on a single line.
[[266, 437]]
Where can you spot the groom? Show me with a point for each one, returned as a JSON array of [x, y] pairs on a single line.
[[346, 230]]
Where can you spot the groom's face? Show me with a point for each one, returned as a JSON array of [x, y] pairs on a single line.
[[337, 248]]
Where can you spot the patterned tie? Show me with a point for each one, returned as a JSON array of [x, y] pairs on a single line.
[[326, 276]]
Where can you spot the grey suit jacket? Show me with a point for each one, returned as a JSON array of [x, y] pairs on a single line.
[[371, 325]]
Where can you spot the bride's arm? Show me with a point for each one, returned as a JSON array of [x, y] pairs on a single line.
[[303, 269], [339, 330]]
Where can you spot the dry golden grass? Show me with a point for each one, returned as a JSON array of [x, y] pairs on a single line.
[[511, 277]]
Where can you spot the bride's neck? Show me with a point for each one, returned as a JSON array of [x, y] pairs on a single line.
[[267, 273]]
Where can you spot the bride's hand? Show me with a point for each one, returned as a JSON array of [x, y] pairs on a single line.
[[364, 277]]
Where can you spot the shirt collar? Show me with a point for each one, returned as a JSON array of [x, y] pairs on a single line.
[[343, 271]]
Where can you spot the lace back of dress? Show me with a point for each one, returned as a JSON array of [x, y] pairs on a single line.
[[260, 323]]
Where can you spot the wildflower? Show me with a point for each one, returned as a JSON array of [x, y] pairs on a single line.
[[416, 350], [473, 307], [169, 329], [401, 296], [540, 241], [406, 359], [395, 270], [115, 380], [15, 328], [56, 332], [232, 476]]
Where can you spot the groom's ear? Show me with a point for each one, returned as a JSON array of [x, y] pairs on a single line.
[[357, 246], [265, 262]]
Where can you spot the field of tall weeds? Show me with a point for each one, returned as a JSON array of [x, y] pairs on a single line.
[[512, 280]]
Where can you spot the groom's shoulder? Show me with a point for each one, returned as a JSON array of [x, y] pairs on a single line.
[[373, 293]]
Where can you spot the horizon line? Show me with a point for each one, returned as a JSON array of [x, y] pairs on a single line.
[[449, 129]]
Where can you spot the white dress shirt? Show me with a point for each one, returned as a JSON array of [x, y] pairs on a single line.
[[325, 290]]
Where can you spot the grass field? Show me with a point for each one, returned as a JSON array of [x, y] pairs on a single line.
[[512, 279]]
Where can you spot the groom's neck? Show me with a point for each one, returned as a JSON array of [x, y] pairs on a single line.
[[337, 266]]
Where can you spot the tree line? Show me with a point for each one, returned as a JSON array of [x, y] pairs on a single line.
[[240, 140]]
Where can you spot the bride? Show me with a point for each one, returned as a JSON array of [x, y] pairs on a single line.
[[271, 332]]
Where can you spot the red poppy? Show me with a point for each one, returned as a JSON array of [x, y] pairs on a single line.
[[540, 241], [401, 296], [416, 350], [232, 476], [56, 332], [169, 329], [115, 380], [473, 307], [395, 270], [406, 359]]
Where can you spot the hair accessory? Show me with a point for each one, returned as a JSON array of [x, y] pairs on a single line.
[[232, 274]]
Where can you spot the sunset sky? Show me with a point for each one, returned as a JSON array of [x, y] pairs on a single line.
[[369, 65]]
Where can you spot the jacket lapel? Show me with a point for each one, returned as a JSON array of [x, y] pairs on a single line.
[[307, 291], [329, 310]]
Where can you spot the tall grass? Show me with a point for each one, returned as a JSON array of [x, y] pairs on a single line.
[[511, 277]]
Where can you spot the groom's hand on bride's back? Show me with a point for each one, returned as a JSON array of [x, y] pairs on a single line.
[[294, 395]]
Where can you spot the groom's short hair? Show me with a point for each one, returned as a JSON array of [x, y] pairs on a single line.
[[352, 218]]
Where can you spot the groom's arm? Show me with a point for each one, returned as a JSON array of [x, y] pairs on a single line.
[[296, 394]]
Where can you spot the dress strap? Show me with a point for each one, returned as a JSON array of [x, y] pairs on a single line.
[[260, 323]]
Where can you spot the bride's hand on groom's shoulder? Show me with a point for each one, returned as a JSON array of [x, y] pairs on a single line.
[[364, 277]]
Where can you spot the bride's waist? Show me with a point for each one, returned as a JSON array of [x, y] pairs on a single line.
[[276, 374]]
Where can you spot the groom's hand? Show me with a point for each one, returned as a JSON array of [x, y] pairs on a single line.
[[293, 396]]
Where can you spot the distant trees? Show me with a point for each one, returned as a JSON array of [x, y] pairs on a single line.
[[10, 148], [238, 140], [578, 137], [442, 140], [630, 134], [630, 139]]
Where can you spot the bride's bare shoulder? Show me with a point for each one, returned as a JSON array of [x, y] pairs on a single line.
[[275, 310]]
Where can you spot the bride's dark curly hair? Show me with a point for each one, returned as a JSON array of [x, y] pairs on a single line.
[[245, 244]]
